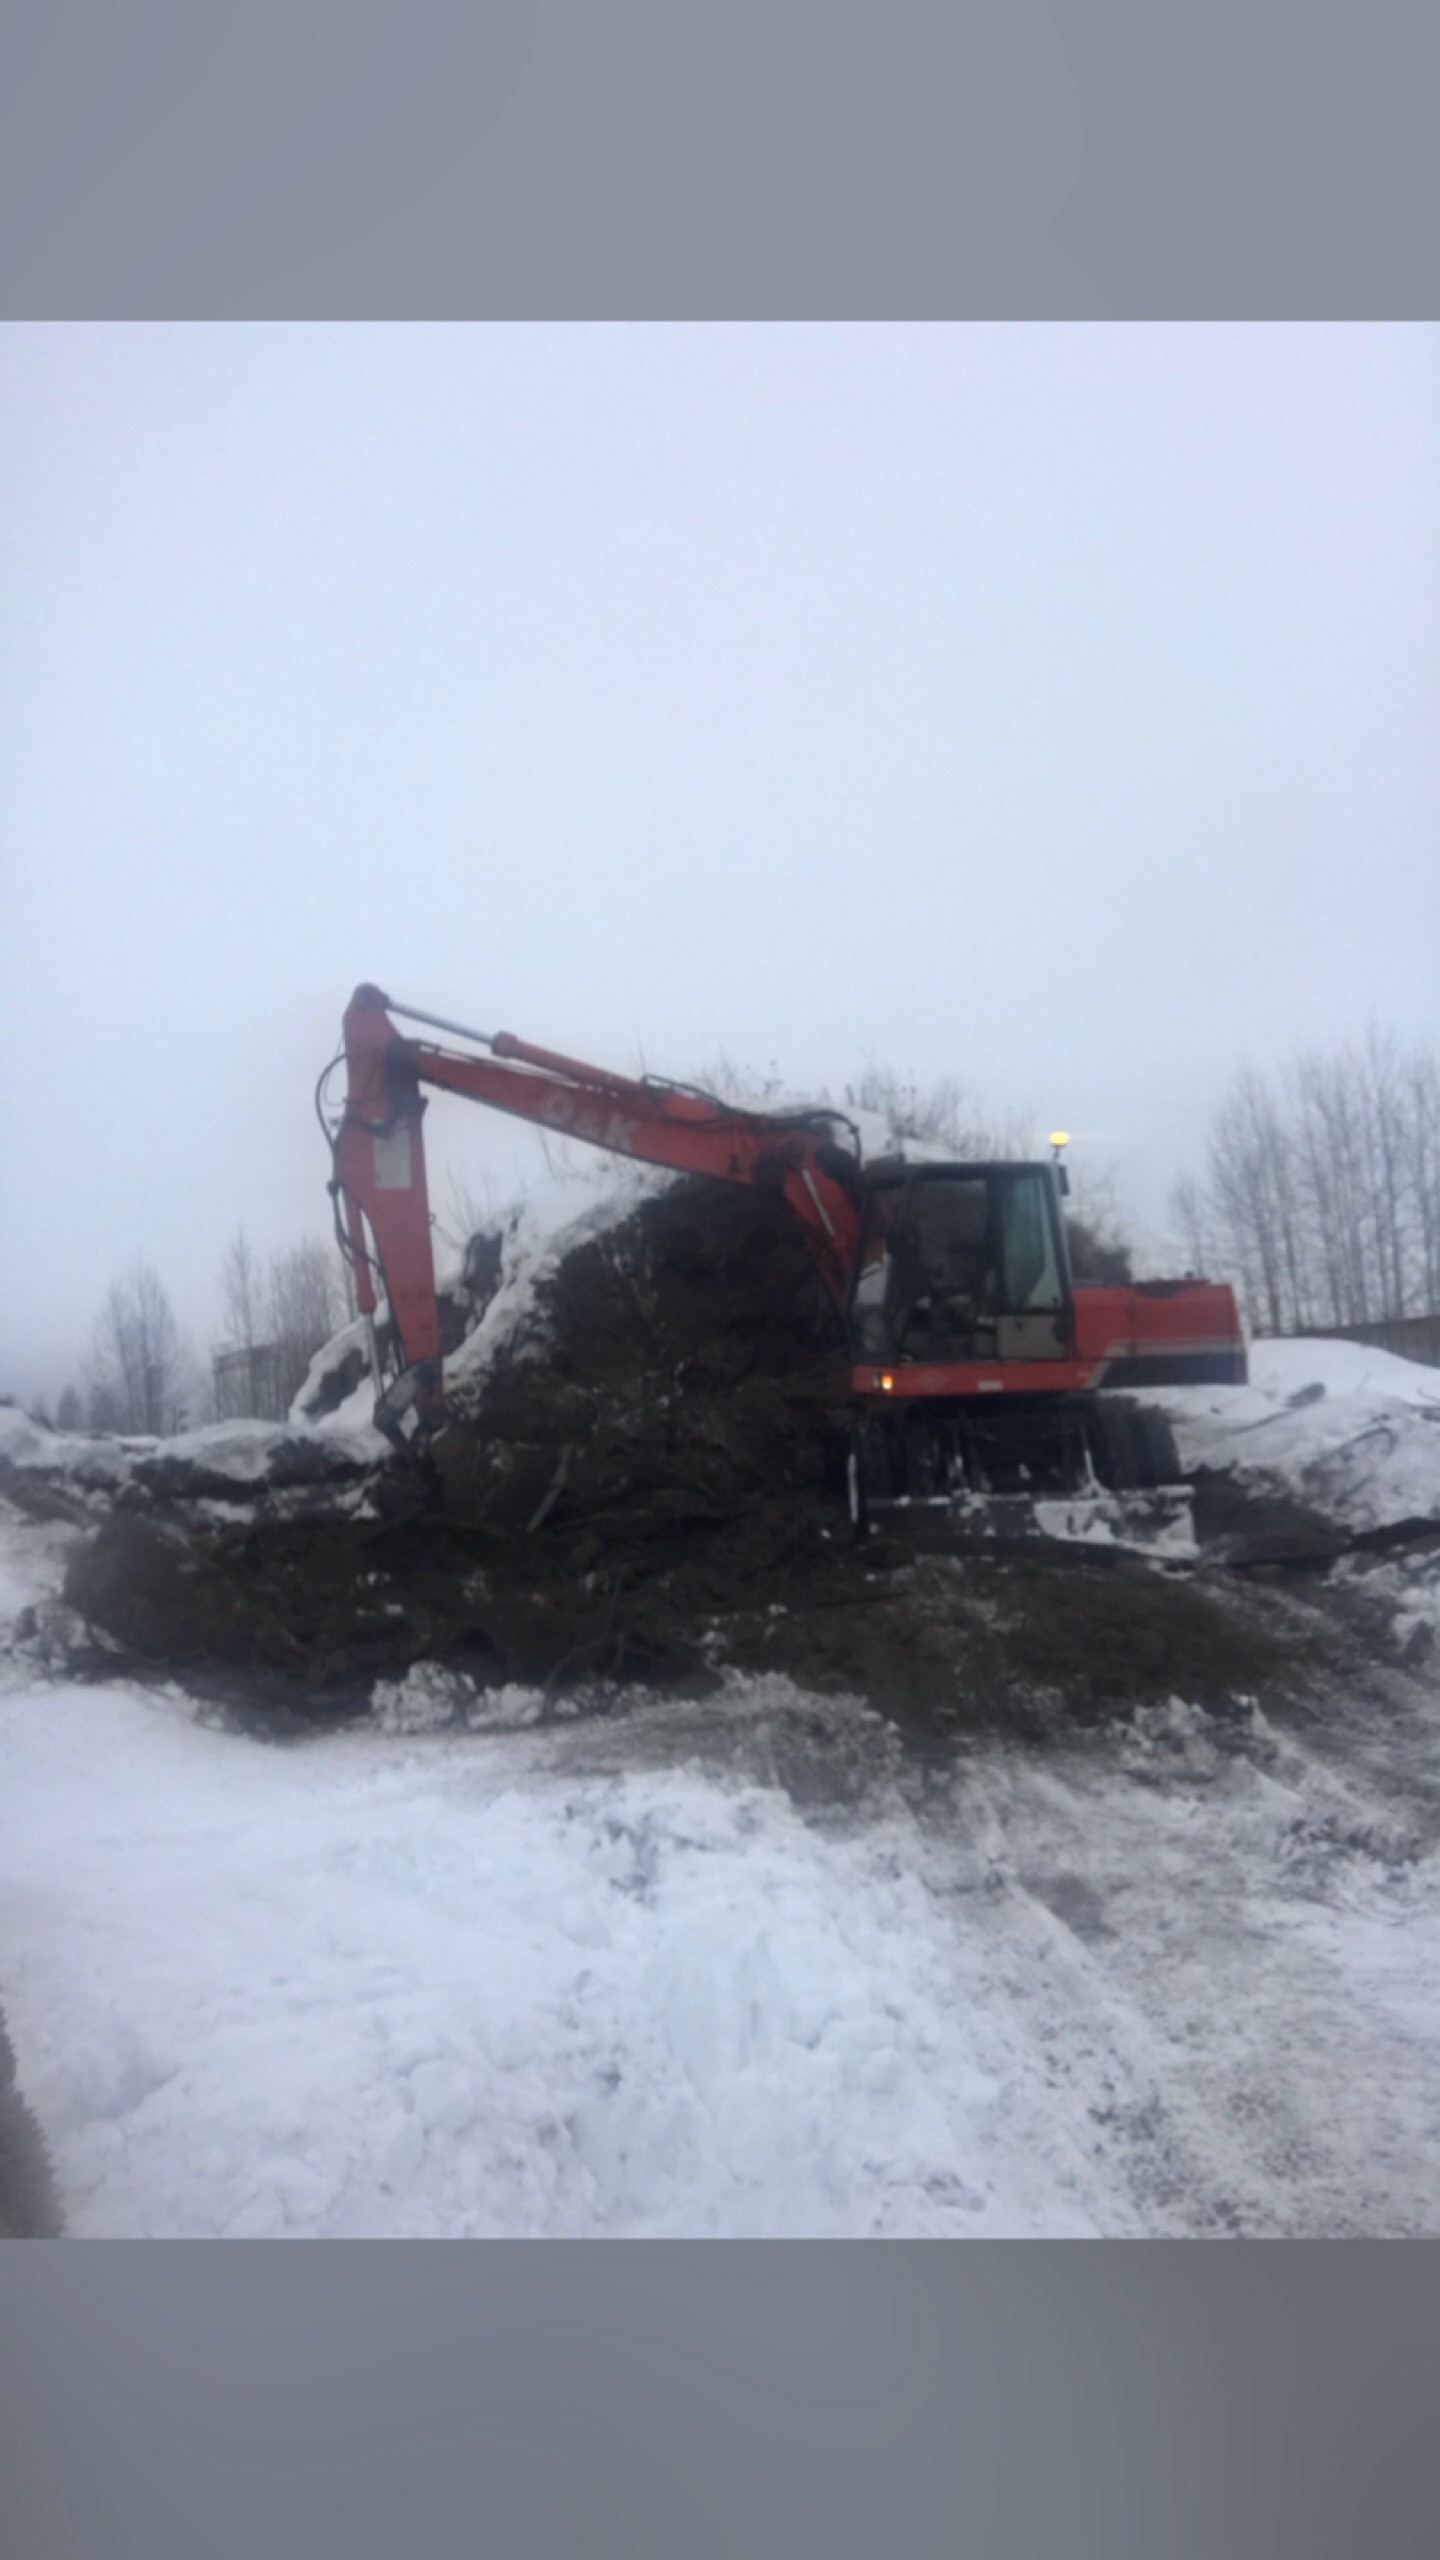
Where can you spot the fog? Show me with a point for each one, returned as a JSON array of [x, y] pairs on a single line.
[[1053, 707]]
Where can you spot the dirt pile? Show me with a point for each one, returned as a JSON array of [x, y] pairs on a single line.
[[636, 1489], [647, 1451], [674, 1373]]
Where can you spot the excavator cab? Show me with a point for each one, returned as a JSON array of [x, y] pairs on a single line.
[[962, 1262]]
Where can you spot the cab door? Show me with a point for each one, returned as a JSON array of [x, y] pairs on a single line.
[[1037, 1318]]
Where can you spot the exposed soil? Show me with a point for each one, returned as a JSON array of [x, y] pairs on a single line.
[[639, 1493], [29, 2203]]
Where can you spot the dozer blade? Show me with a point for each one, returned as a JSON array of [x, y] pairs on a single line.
[[1159, 1521]]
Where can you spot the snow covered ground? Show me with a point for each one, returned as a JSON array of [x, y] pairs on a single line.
[[734, 1968], [1353, 1432]]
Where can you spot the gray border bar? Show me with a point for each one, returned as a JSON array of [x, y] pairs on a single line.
[[805, 158]]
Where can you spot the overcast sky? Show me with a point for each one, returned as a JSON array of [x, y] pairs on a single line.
[[1053, 707]]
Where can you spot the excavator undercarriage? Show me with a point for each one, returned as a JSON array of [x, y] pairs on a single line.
[[1086, 1469]]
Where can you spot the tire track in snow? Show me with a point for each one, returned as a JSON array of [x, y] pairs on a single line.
[[1233, 1941], [741, 1967]]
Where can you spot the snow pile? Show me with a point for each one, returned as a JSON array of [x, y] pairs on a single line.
[[1407, 1589], [235, 1460], [345, 1357], [1354, 1433], [427, 1700], [433, 1699], [33, 1554], [94, 1463]]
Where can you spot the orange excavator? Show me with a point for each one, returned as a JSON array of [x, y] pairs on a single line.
[[979, 1378]]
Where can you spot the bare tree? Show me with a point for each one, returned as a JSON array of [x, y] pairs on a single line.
[[1323, 1200], [1252, 1195], [1421, 1153], [196, 1399], [468, 1212], [137, 1359], [945, 1114], [1322, 1178], [104, 1409], [1102, 1254], [1382, 1075], [69, 1413], [242, 1376], [746, 1087], [305, 1305], [242, 1288], [1351, 1144], [1194, 1226]]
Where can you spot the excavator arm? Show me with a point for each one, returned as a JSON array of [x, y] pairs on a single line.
[[379, 1179]]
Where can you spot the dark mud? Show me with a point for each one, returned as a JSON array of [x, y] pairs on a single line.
[[638, 1493], [29, 2200]]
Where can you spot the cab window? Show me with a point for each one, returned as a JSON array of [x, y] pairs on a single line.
[[1032, 1269]]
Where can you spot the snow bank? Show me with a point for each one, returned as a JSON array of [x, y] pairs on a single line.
[[99, 1461], [239, 1458], [1353, 1433], [1284, 1368]]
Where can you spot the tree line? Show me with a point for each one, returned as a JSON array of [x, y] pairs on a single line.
[[1321, 1198], [143, 1376], [277, 1316]]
